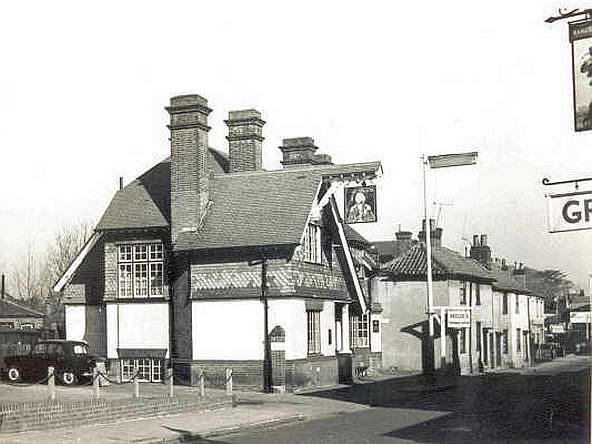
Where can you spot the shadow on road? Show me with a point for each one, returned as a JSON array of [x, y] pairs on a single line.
[[501, 406]]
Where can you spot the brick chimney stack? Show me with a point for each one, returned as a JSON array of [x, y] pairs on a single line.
[[298, 151], [435, 233], [245, 140], [189, 161], [480, 250]]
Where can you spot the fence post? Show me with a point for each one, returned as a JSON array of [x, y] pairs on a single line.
[[229, 381], [170, 381], [136, 382], [96, 382], [202, 384], [51, 383]]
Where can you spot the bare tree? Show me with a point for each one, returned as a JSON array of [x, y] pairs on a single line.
[[61, 251], [27, 277], [38, 270]]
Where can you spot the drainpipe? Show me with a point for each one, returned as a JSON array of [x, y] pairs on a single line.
[[528, 348], [266, 344], [471, 326]]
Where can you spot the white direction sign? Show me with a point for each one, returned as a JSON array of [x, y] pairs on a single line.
[[580, 317], [569, 211], [458, 318]]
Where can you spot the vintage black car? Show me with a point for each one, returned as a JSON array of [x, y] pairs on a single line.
[[70, 360]]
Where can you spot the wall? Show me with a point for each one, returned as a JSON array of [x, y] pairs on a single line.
[[404, 322], [87, 323], [141, 325]]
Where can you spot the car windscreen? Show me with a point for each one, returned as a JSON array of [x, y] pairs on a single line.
[[80, 349]]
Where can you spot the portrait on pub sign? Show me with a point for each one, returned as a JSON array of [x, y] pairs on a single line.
[[360, 204], [581, 41]]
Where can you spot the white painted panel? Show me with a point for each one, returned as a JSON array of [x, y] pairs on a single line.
[[375, 338], [227, 329], [75, 322], [112, 331], [291, 315], [328, 323], [140, 326]]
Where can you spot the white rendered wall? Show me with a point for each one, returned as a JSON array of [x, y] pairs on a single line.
[[327, 323], [230, 330], [140, 326], [375, 338], [291, 315], [75, 322]]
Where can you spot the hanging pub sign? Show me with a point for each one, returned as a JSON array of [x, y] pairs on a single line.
[[580, 36], [569, 211], [360, 204]]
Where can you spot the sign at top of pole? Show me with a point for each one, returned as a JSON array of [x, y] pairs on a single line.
[[452, 160]]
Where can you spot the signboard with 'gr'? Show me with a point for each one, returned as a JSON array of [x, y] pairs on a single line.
[[569, 211]]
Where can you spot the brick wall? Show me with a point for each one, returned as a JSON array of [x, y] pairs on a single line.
[[315, 371], [47, 415], [245, 374], [364, 358]]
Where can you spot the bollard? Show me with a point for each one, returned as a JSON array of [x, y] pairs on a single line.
[[136, 382], [96, 382], [229, 381], [51, 387], [202, 384], [170, 380]]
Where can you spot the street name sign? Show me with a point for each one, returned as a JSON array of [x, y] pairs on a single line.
[[569, 211], [458, 318]]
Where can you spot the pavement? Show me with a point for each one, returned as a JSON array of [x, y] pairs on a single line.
[[253, 411]]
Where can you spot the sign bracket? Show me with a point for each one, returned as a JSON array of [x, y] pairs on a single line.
[[563, 14], [547, 181]]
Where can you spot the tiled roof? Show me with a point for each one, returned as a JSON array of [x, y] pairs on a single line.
[[255, 209], [354, 236], [505, 282], [11, 309], [445, 263], [144, 203]]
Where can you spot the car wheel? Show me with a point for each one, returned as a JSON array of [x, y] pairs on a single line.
[[14, 374], [69, 378]]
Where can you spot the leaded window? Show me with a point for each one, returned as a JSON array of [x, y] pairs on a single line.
[[312, 244], [141, 270], [313, 331], [358, 326]]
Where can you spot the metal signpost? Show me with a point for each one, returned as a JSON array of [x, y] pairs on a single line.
[[440, 161]]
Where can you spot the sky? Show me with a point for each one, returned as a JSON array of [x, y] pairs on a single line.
[[83, 88]]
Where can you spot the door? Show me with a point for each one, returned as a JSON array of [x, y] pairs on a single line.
[[485, 348], [498, 349], [492, 350]]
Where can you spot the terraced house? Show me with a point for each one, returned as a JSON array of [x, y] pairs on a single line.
[[505, 321], [198, 258]]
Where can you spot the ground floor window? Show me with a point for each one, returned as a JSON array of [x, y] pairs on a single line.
[[358, 331], [518, 340], [313, 324], [505, 341], [478, 336], [149, 370]]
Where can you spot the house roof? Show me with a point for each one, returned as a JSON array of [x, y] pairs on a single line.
[[12, 309], [505, 282], [445, 263], [255, 209], [145, 202], [353, 236]]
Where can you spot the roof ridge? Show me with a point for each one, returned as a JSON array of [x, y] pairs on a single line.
[[298, 169]]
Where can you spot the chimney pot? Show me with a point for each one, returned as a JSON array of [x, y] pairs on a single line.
[[475, 240], [484, 240]]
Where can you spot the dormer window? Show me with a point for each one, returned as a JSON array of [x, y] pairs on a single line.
[[312, 244]]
